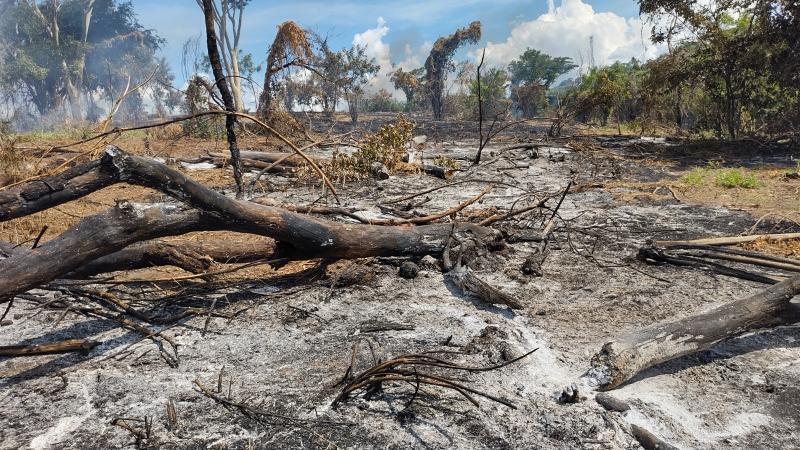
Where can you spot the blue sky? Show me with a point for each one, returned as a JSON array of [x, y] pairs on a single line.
[[400, 32]]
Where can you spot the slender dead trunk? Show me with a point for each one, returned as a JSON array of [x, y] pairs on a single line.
[[227, 98]]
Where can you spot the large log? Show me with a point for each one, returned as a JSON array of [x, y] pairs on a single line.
[[94, 237], [313, 237], [38, 195], [621, 359], [114, 229]]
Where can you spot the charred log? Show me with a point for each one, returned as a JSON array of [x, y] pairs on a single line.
[[621, 359]]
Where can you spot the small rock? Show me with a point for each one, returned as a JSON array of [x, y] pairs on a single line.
[[611, 403], [6, 323], [428, 262], [569, 395], [380, 171], [419, 140], [409, 270]]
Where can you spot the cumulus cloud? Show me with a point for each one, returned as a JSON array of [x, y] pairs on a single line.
[[566, 30], [373, 40]]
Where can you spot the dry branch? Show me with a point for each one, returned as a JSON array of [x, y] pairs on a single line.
[[195, 257], [38, 195], [70, 345], [728, 240], [286, 159], [403, 368]]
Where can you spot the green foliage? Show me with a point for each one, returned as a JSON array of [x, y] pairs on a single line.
[[382, 101], [387, 146], [733, 178], [536, 68], [739, 72], [356, 69], [47, 66], [696, 177], [493, 94]]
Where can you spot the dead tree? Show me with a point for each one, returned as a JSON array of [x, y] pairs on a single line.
[[439, 58], [621, 359], [289, 49], [222, 84], [299, 235]]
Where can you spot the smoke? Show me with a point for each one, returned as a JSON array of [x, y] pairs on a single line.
[[573, 29]]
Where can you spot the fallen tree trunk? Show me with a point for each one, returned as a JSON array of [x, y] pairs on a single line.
[[621, 359], [313, 237], [304, 236], [195, 257], [38, 195], [94, 237]]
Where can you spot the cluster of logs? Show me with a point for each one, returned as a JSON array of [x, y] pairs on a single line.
[[126, 236]]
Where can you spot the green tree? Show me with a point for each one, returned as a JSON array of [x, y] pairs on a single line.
[[536, 68], [58, 51], [493, 94], [531, 76], [747, 66], [356, 69]]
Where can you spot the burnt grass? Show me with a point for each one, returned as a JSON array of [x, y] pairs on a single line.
[[280, 347]]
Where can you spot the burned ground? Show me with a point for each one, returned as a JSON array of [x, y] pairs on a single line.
[[279, 340]]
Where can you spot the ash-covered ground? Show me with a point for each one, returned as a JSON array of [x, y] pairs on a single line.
[[290, 343]]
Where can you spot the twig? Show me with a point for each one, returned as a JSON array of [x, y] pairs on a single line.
[[69, 345]]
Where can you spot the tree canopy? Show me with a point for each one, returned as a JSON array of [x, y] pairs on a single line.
[[55, 52], [536, 68]]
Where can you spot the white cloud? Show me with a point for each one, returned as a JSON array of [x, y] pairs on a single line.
[[373, 40], [565, 31]]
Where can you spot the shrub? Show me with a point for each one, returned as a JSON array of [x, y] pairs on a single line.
[[387, 146], [696, 177], [736, 179]]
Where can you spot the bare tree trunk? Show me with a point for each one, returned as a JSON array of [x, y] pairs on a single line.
[[621, 359], [301, 235], [227, 98], [41, 194]]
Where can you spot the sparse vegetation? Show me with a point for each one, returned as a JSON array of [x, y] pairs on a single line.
[[734, 178], [445, 161], [696, 177], [726, 178], [387, 146]]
